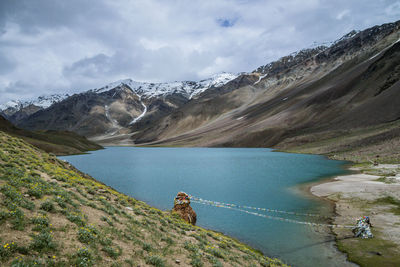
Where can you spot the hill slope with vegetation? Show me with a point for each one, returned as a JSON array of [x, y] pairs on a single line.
[[53, 215], [57, 142]]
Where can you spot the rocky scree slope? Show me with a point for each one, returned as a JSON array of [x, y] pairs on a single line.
[[340, 100], [53, 215]]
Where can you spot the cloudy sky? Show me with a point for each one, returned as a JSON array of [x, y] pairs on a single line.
[[55, 46]]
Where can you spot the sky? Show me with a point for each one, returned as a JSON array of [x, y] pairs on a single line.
[[58, 46]]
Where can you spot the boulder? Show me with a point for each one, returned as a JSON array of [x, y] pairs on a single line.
[[183, 208]]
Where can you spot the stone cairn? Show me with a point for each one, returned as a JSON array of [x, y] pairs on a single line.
[[183, 208]]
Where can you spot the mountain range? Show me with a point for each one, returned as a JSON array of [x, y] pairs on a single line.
[[342, 100]]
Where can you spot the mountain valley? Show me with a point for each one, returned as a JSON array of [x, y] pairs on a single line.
[[313, 101]]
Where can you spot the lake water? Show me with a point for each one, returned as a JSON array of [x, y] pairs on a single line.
[[246, 176]]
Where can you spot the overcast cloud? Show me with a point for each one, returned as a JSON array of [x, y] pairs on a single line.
[[67, 46]]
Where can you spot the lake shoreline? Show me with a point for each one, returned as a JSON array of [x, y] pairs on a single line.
[[303, 240], [306, 190], [355, 195]]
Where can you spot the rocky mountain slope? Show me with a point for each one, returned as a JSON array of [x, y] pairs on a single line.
[[111, 111], [17, 110], [53, 215], [340, 100], [56, 142]]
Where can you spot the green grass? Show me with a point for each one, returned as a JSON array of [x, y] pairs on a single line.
[[83, 258], [112, 251], [43, 242], [43, 201], [57, 142], [386, 180], [389, 200], [370, 252], [155, 260], [48, 206], [87, 234]]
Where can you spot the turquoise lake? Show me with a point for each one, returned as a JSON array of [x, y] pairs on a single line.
[[245, 176]]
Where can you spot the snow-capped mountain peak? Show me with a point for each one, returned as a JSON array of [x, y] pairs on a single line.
[[42, 101], [145, 90], [188, 88]]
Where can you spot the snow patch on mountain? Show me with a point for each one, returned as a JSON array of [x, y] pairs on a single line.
[[187, 88], [41, 101], [142, 89], [141, 115]]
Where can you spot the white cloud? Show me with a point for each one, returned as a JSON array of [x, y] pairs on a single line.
[[343, 14], [393, 9], [53, 46]]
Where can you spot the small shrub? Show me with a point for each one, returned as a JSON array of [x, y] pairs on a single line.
[[37, 190], [77, 218], [155, 260], [168, 240], [47, 206], [43, 241], [91, 190], [216, 252], [191, 247], [11, 193], [7, 250], [105, 241], [196, 261], [40, 222], [83, 258], [137, 211], [14, 198], [23, 250], [17, 220], [147, 247], [3, 216], [26, 262], [87, 234], [60, 178], [215, 262], [92, 205], [112, 252], [202, 238], [107, 220], [61, 202], [224, 245]]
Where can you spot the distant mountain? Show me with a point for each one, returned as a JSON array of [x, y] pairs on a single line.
[[57, 142], [41, 101], [110, 111], [16, 110], [188, 89]]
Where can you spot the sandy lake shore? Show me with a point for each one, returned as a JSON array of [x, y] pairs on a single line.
[[371, 191]]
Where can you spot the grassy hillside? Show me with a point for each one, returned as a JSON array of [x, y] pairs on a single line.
[[57, 142], [53, 215]]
